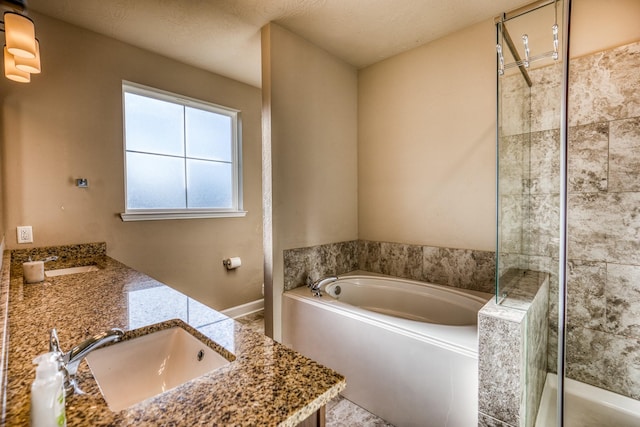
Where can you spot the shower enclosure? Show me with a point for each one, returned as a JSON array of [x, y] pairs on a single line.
[[529, 107], [530, 61], [568, 199]]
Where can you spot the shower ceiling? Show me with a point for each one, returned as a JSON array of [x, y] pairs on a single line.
[[223, 36]]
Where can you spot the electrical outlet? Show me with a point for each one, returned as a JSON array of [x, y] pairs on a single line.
[[25, 234]]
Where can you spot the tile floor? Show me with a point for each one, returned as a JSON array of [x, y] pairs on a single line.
[[340, 411]]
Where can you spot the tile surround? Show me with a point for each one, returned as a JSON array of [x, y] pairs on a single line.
[[512, 160], [512, 360], [604, 221], [542, 224], [545, 94], [462, 268], [586, 301], [499, 393], [604, 227], [545, 162], [622, 366], [515, 107], [585, 348], [315, 262], [604, 86], [401, 260], [622, 294], [513, 208], [588, 169], [624, 154], [536, 337], [603, 207]]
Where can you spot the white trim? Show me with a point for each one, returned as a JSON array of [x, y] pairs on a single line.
[[142, 216], [236, 209], [163, 95], [244, 309]]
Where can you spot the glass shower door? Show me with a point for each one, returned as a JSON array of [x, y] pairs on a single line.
[[528, 184]]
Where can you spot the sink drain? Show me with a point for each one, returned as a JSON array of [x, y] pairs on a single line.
[[200, 355]]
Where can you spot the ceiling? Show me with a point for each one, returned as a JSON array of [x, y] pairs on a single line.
[[223, 36]]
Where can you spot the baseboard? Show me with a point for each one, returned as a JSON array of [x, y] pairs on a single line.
[[244, 309]]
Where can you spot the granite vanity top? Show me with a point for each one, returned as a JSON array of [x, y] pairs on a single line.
[[265, 384]]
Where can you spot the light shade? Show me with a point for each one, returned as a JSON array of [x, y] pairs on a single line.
[[10, 70], [20, 35], [29, 65]]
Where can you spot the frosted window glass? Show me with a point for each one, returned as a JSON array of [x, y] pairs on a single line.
[[208, 135], [209, 184], [155, 182], [183, 156], [154, 126]]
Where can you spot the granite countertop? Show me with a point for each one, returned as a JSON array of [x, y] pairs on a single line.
[[265, 384]]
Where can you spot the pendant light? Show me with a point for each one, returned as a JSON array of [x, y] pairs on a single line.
[[32, 65], [20, 34], [21, 50], [10, 70]]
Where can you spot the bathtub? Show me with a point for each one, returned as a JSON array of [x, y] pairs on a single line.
[[587, 406], [409, 350]]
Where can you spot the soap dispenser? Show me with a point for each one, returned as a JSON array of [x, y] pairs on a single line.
[[47, 392]]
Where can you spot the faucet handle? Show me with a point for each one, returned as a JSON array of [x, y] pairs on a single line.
[[54, 343]]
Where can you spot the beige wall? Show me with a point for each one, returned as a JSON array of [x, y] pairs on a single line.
[[3, 179], [598, 25], [67, 124], [426, 144], [311, 100]]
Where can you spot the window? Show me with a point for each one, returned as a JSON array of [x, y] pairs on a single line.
[[182, 156]]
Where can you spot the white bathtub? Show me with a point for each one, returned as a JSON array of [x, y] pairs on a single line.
[[587, 406], [408, 349]]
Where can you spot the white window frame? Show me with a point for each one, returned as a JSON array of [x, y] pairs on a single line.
[[187, 213]]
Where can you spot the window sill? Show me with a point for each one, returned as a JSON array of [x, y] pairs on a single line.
[[156, 216]]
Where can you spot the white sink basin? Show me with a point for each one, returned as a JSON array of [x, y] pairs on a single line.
[[70, 270], [137, 369]]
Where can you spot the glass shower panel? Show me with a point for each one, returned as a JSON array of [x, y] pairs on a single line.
[[528, 188], [513, 176], [528, 154]]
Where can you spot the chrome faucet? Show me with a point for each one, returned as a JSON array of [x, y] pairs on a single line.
[[318, 284], [70, 360]]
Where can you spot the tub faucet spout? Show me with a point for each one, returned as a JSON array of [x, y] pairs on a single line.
[[71, 359], [316, 286]]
